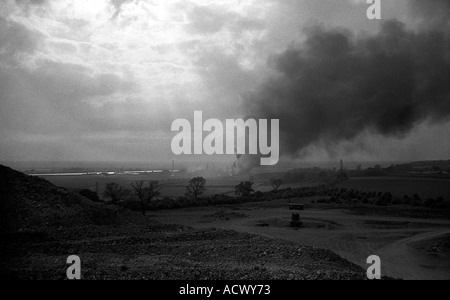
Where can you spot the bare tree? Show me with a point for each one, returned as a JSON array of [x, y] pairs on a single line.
[[276, 183], [196, 188], [114, 192], [146, 194]]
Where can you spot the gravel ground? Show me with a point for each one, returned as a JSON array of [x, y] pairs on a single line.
[[154, 251]]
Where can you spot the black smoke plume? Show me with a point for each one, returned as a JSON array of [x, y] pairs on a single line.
[[335, 85]]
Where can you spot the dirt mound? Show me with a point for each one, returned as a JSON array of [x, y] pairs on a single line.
[[156, 252], [33, 204]]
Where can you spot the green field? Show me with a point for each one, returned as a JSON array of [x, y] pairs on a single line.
[[399, 186]]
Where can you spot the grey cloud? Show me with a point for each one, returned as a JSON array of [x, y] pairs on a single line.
[[57, 99], [118, 3], [32, 2], [16, 38], [28, 5], [226, 81], [54, 97], [207, 20], [218, 67], [118, 6], [64, 46], [67, 82]]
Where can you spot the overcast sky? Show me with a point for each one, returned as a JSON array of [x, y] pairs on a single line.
[[103, 80]]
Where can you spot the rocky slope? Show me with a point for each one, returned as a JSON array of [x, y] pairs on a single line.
[[33, 204]]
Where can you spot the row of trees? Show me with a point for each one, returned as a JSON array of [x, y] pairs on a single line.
[[147, 191], [340, 195]]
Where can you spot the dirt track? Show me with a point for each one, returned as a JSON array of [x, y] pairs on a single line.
[[415, 264], [354, 237]]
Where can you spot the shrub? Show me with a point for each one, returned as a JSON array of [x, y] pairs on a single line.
[[244, 189], [93, 196]]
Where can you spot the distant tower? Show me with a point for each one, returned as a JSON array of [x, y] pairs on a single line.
[[342, 175], [173, 167]]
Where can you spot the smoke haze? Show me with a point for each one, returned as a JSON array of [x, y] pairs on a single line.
[[335, 86]]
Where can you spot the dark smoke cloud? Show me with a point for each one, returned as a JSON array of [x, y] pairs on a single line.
[[335, 86], [432, 11]]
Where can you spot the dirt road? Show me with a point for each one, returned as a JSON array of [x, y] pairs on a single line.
[[354, 237], [406, 261]]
